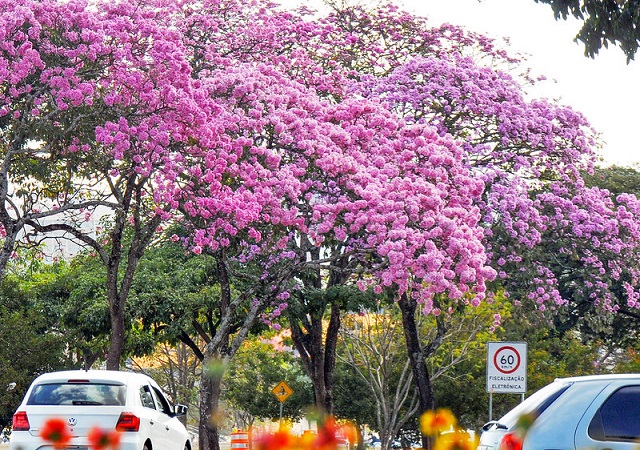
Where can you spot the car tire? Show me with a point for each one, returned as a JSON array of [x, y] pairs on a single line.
[[146, 446]]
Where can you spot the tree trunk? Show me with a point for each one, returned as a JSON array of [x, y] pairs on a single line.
[[116, 343], [210, 389], [417, 356], [331, 342], [318, 354]]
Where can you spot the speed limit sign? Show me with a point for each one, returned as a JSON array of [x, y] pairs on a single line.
[[507, 367]]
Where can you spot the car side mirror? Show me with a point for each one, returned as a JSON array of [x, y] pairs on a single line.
[[180, 410]]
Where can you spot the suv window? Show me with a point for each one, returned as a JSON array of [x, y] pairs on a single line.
[[617, 418], [64, 393]]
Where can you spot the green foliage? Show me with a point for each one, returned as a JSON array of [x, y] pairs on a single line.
[[604, 22], [173, 288], [353, 398], [255, 370], [28, 344], [616, 179]]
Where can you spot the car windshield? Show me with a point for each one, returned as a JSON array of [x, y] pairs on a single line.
[[535, 404], [65, 393]]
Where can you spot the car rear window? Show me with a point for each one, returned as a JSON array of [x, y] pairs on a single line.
[[65, 393]]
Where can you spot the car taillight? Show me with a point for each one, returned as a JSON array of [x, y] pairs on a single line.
[[20, 421], [128, 422]]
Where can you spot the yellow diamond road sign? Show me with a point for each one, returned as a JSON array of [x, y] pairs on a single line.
[[282, 391]]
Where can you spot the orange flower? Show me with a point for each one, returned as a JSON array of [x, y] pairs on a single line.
[[280, 440], [434, 422], [458, 440], [350, 433], [56, 432], [100, 439]]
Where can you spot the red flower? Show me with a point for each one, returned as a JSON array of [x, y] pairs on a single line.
[[511, 441], [280, 440], [56, 432], [327, 435], [100, 439]]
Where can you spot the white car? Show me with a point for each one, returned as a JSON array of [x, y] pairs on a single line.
[[131, 403], [598, 412]]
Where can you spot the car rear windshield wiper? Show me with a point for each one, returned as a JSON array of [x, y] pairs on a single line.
[[85, 402], [498, 425]]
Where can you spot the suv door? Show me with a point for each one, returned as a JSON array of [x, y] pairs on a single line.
[[612, 420]]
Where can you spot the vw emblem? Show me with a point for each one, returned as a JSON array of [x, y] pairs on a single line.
[[73, 421]]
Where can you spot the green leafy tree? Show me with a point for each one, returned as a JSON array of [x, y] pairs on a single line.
[[604, 22], [616, 179], [206, 301], [73, 295], [256, 369], [353, 399], [372, 345], [29, 345]]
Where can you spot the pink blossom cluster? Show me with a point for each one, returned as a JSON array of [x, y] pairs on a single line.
[[552, 240], [368, 137]]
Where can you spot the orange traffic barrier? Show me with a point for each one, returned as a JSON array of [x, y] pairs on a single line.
[[239, 440]]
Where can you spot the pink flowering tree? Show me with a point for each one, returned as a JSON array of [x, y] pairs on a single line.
[[573, 241], [48, 103], [528, 153], [93, 102], [325, 55], [386, 204]]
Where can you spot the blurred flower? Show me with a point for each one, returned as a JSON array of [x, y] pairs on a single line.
[[350, 433], [56, 432], [434, 422], [329, 436], [524, 422], [458, 440], [280, 440], [511, 441], [100, 439]]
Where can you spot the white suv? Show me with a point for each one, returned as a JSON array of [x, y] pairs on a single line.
[[125, 401], [598, 412]]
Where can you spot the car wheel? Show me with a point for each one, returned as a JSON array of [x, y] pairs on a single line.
[[146, 446]]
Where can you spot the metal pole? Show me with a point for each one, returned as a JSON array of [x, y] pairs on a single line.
[[281, 405], [490, 406]]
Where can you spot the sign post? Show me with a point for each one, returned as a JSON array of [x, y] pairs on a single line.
[[506, 369], [282, 391]]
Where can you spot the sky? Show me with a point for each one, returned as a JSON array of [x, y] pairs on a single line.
[[605, 89]]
